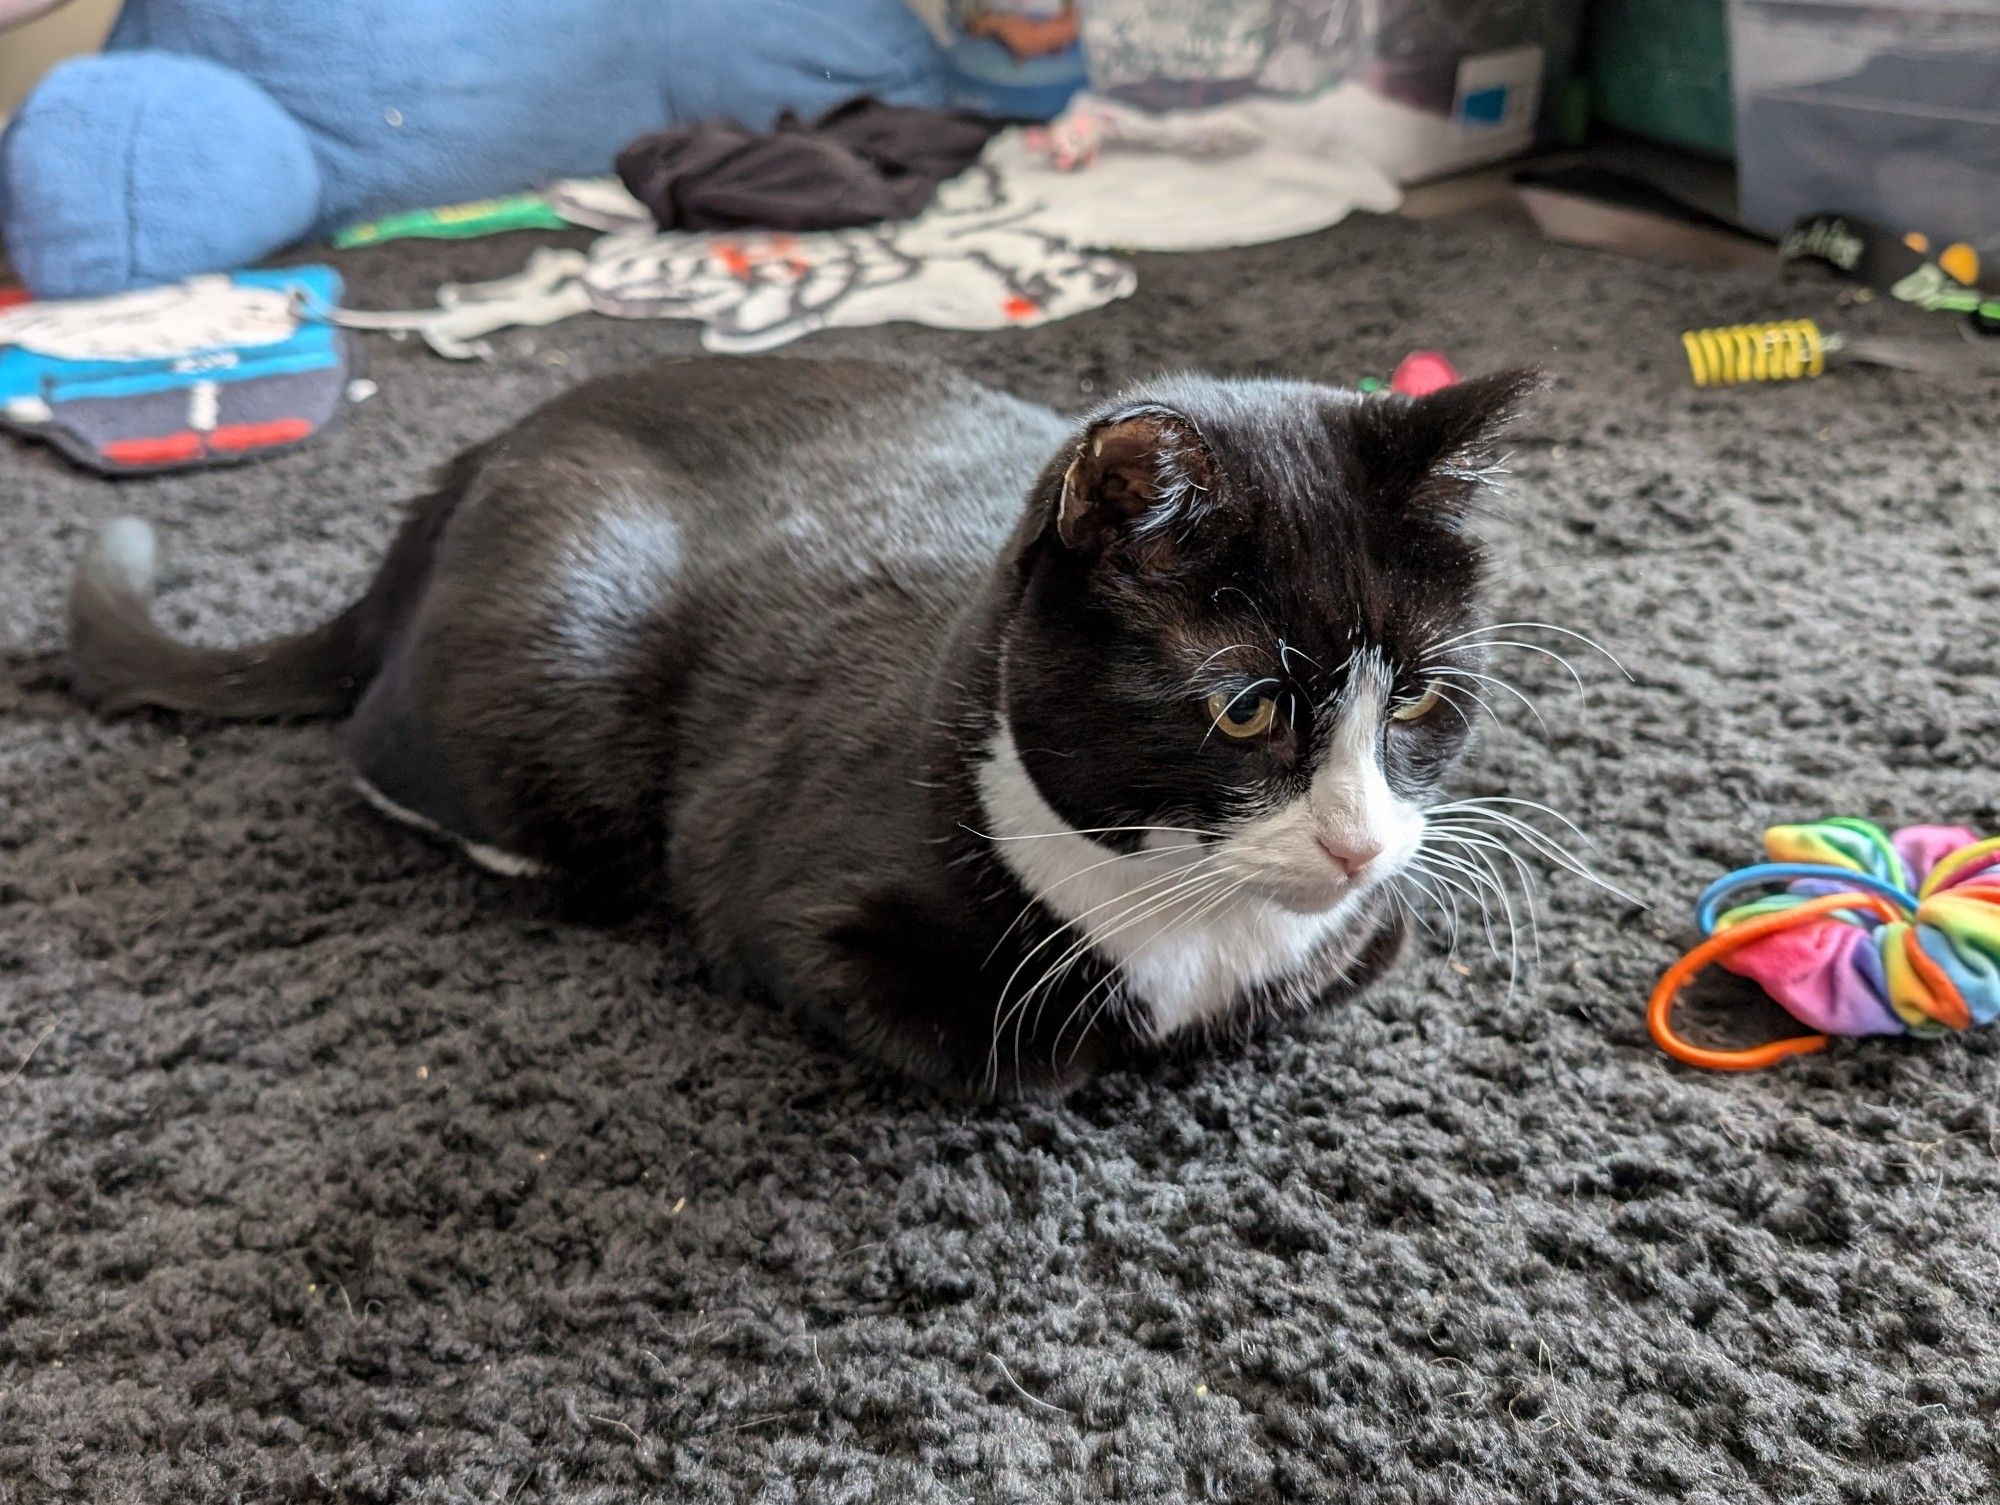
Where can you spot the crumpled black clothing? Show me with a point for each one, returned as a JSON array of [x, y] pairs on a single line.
[[860, 163]]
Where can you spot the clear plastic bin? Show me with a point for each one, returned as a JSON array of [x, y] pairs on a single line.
[[1889, 111], [1418, 87]]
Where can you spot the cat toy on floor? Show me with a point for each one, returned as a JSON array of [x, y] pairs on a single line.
[[1873, 934], [1417, 374], [1798, 349]]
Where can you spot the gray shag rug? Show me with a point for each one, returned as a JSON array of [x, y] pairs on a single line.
[[332, 1170]]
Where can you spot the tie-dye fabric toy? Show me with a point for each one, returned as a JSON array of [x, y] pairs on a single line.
[[1873, 935]]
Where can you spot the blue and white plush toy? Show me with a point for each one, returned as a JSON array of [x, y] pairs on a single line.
[[211, 133]]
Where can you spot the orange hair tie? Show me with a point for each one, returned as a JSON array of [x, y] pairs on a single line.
[[1660, 1008]]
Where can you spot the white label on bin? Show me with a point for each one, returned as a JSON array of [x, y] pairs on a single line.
[[1498, 94]]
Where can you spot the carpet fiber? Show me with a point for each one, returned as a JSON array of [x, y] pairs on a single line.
[[332, 1170]]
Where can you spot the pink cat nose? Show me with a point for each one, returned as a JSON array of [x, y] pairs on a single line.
[[1351, 858]]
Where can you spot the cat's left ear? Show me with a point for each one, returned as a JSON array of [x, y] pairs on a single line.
[[1454, 428], [1464, 417], [1134, 476], [1434, 455]]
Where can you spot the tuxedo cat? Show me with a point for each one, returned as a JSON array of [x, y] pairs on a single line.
[[1003, 791]]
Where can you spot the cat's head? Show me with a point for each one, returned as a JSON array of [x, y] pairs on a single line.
[[1246, 613]]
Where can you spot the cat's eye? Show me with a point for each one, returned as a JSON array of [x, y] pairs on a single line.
[[1422, 706], [1241, 715]]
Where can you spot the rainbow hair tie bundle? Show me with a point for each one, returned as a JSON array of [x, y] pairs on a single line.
[[1873, 934]]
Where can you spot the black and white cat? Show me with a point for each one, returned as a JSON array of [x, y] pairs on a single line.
[[1003, 793]]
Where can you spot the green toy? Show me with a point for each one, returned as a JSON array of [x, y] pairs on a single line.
[[517, 211]]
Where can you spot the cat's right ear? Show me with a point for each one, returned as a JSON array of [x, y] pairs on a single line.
[[1134, 478]]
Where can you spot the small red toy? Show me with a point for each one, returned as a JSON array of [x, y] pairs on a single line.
[[1421, 373]]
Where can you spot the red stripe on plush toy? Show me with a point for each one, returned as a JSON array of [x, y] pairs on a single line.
[[234, 436], [158, 449]]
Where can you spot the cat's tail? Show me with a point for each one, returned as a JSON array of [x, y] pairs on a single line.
[[120, 659]]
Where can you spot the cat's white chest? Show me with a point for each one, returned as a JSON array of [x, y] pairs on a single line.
[[1188, 946], [1196, 972]]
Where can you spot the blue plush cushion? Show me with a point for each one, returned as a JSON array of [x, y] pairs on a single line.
[[135, 168], [214, 132]]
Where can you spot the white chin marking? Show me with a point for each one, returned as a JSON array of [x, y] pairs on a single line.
[[505, 864], [1187, 955]]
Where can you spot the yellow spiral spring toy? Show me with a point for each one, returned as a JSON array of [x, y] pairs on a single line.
[[1788, 350]]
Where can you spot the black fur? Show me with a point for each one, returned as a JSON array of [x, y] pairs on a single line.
[[754, 624]]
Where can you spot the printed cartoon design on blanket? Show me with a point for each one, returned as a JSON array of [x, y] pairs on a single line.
[[203, 313], [966, 263], [207, 371], [970, 261]]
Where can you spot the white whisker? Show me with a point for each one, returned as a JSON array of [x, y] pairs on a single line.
[[1483, 703], [1029, 908], [1475, 896], [1286, 650], [1000, 1010], [1251, 601], [1492, 627], [1534, 648], [1481, 873], [1093, 831], [1398, 892], [1483, 837], [1455, 669], [1232, 648], [1211, 901], [1536, 805], [1543, 843], [1477, 849], [1138, 897], [1457, 709], [1052, 977]]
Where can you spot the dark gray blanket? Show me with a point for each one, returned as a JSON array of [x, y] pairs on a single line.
[[337, 1171]]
